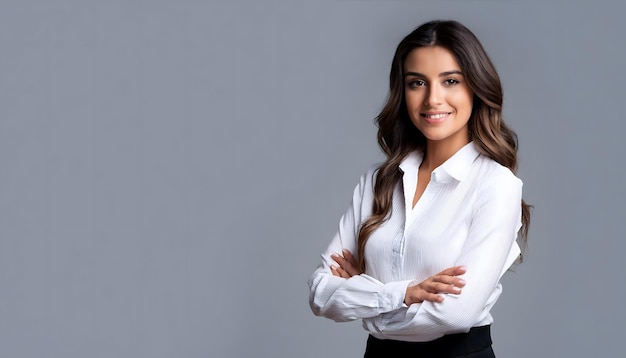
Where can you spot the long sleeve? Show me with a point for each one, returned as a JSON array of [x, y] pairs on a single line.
[[469, 215], [360, 296], [487, 253]]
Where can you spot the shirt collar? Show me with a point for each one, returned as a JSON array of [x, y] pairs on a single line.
[[456, 167], [411, 162]]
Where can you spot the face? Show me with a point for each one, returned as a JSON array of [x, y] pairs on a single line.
[[438, 99]]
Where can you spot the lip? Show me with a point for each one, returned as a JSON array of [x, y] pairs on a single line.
[[427, 119]]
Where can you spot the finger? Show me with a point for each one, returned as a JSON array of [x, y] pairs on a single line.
[[345, 264], [459, 282], [349, 268], [333, 270], [438, 287], [431, 297], [421, 296], [418, 294], [348, 256], [454, 271], [340, 260], [343, 273], [449, 280]]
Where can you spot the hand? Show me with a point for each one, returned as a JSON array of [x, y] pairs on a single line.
[[347, 265], [443, 282]]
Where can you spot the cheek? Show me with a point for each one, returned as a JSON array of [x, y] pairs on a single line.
[[413, 99], [462, 103], [465, 99]]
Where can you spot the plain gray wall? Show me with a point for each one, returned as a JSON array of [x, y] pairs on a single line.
[[170, 171]]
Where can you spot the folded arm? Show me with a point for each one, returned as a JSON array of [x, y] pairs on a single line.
[[488, 252], [338, 290]]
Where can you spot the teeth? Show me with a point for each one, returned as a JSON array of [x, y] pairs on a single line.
[[436, 116]]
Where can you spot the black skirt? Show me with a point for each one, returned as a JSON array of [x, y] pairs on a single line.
[[474, 344]]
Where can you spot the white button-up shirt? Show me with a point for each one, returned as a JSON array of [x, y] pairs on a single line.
[[469, 214]]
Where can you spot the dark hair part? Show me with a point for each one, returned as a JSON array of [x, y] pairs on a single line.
[[397, 136]]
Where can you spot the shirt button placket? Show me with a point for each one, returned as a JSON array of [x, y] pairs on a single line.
[[396, 252]]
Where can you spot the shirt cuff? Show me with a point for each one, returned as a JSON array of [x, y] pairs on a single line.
[[392, 295]]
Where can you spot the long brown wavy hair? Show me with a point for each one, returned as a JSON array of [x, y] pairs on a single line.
[[397, 136]]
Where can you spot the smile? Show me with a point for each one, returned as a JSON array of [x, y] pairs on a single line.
[[435, 117]]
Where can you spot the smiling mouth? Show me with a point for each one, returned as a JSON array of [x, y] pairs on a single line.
[[435, 117]]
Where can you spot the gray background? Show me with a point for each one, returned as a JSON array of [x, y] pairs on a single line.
[[170, 171]]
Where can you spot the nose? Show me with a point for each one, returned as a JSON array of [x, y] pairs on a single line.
[[434, 96]]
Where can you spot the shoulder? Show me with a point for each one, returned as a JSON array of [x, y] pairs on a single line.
[[493, 171], [496, 179], [368, 178]]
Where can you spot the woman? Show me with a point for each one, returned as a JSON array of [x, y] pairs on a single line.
[[433, 228]]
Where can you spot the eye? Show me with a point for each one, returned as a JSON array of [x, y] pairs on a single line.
[[416, 83], [450, 82]]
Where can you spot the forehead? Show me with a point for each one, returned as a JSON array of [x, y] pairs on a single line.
[[431, 61]]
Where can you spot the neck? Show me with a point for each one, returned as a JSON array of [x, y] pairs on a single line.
[[437, 152]]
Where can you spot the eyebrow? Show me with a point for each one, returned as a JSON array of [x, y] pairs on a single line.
[[442, 74]]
